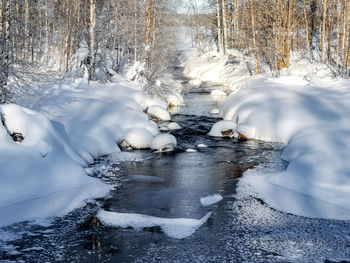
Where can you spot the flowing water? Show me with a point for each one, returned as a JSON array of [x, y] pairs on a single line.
[[241, 228]]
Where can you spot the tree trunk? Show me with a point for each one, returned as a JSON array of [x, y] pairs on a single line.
[[224, 23], [148, 6], [307, 28], [323, 32], [26, 29], [252, 14], [338, 31], [92, 38], [346, 42], [135, 30], [218, 17]]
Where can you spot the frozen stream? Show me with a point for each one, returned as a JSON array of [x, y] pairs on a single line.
[[241, 228]]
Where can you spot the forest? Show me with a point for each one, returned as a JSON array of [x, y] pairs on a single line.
[[67, 35]]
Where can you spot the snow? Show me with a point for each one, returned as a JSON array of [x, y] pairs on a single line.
[[174, 126], [65, 127], [202, 145], [159, 112], [313, 123], [146, 179], [307, 110], [218, 93], [211, 199], [221, 127], [190, 150], [164, 142], [138, 138], [178, 228], [214, 111]]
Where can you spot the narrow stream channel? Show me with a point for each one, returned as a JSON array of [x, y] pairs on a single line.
[[240, 229]]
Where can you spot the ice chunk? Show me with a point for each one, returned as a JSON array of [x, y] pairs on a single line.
[[191, 150], [173, 227], [222, 128], [164, 142], [159, 112], [146, 179], [174, 126], [210, 199], [139, 138]]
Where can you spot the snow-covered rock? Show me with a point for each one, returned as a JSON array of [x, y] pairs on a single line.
[[218, 93], [158, 112], [174, 126], [138, 138], [163, 142], [223, 128], [178, 228]]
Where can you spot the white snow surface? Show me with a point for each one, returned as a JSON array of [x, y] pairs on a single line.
[[222, 126], [210, 199], [313, 123], [307, 109], [217, 92], [139, 138], [159, 112], [174, 126], [164, 142], [178, 228], [65, 127]]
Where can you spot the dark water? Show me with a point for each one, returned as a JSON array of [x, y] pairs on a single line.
[[241, 228]]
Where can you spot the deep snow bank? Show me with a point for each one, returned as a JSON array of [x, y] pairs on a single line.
[[232, 71], [70, 126], [43, 175], [235, 70], [314, 124]]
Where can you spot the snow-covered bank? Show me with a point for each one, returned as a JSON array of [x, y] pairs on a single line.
[[235, 69], [313, 122], [71, 125], [309, 113]]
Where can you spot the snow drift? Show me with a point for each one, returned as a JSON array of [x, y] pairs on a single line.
[[70, 126], [313, 123]]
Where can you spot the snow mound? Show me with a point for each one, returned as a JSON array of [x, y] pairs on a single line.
[[211, 199], [218, 93], [174, 126], [146, 179], [313, 123], [195, 82], [214, 111], [222, 128], [174, 98], [163, 142], [138, 138], [202, 145], [190, 150], [178, 228], [157, 102], [158, 112], [44, 167]]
